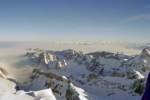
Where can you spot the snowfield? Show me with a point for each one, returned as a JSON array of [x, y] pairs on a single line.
[[73, 74]]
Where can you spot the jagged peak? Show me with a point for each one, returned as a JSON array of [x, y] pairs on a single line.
[[145, 52]]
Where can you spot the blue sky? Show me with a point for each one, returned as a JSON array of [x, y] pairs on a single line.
[[75, 20]]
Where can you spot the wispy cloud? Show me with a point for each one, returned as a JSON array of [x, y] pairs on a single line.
[[139, 17]]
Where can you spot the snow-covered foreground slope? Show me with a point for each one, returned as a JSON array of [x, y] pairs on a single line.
[[74, 75], [9, 90]]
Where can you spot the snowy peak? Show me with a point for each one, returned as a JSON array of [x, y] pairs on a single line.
[[145, 52], [109, 55]]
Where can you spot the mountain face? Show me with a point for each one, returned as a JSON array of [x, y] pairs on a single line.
[[73, 75]]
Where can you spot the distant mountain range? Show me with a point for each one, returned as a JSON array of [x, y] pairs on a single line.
[[74, 75]]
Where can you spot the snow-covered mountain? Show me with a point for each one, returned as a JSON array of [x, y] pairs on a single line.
[[73, 75]]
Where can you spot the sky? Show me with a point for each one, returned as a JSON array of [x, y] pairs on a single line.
[[75, 20]]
